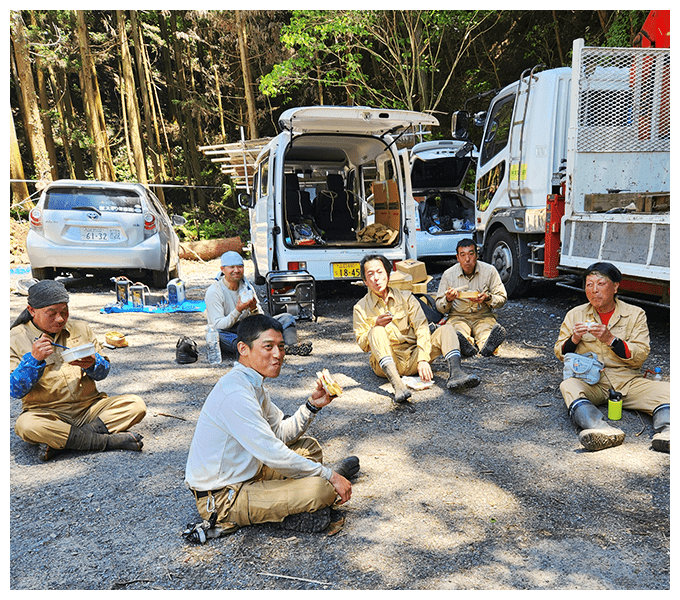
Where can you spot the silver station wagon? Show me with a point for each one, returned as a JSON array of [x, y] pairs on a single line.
[[99, 226]]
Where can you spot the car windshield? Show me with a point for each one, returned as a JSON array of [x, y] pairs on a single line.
[[102, 200]]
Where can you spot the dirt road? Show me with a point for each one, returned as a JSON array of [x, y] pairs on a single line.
[[488, 489]]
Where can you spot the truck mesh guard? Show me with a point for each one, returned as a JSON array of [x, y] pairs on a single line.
[[624, 100]]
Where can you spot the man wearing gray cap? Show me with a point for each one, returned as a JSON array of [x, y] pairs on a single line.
[[62, 408], [232, 298]]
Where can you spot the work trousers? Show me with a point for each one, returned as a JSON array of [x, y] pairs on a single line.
[[269, 496], [640, 393], [476, 330], [40, 426], [444, 340]]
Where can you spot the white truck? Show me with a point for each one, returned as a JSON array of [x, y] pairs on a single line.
[[574, 168], [332, 187]]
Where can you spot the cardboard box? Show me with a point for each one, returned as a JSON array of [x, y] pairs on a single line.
[[421, 287], [386, 204], [400, 280], [415, 268]]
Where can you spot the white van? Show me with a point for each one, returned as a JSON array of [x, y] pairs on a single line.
[[445, 212], [330, 188]]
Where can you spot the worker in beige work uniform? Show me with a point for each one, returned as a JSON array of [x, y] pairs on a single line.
[[248, 463], [617, 333], [390, 324], [62, 408], [472, 317]]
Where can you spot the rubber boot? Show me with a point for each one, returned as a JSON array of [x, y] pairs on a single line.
[[458, 379], [661, 421], [347, 467], [596, 433], [467, 349], [401, 392], [290, 339], [85, 438], [495, 339]]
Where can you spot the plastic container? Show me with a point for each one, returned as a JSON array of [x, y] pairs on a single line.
[[78, 352], [615, 406], [657, 374], [212, 342], [176, 291]]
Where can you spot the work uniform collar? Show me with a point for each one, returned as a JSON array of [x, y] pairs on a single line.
[[251, 374], [375, 299], [595, 316], [474, 271], [36, 332]]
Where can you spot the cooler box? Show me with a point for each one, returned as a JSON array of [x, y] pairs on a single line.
[[293, 292]]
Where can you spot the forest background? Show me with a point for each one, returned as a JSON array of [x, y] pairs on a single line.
[[126, 95]]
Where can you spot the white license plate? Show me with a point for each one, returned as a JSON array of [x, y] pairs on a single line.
[[99, 234], [346, 271]]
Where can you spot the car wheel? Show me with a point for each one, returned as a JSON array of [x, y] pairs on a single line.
[[174, 272], [502, 252], [159, 279], [258, 279], [42, 273]]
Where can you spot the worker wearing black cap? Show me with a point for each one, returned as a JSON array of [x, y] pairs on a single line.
[[62, 408]]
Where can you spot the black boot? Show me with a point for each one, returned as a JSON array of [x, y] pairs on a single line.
[[495, 339], [661, 421], [458, 379], [347, 467], [308, 522], [596, 433], [84, 438], [467, 349], [401, 392]]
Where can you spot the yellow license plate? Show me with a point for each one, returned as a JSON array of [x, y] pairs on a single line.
[[346, 271]]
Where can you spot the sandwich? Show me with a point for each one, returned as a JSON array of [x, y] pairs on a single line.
[[329, 384]]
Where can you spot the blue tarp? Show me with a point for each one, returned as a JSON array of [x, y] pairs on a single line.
[[186, 306]]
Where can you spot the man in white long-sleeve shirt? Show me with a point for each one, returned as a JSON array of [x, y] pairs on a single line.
[[232, 298], [249, 464]]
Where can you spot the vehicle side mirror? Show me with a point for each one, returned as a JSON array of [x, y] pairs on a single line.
[[459, 125], [480, 119], [245, 200], [178, 220]]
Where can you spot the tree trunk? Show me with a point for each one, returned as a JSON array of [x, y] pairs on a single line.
[[144, 77], [103, 163], [34, 125], [16, 167], [245, 69], [190, 137], [45, 109], [134, 124], [78, 162]]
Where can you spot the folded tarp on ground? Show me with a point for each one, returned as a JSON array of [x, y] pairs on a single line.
[[186, 306]]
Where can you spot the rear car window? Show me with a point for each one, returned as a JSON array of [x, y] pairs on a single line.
[[102, 200]]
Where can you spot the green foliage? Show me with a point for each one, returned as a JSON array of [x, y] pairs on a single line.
[[222, 220]]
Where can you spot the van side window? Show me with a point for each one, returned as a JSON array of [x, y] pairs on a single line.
[[497, 132], [264, 178]]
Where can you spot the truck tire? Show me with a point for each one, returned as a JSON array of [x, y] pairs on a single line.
[[502, 252]]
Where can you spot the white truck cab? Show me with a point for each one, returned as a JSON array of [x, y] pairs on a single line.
[[330, 188]]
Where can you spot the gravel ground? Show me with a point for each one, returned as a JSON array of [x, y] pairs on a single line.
[[484, 490]]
